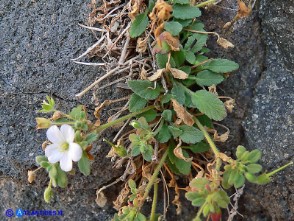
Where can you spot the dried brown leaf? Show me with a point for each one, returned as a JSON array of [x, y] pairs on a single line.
[[97, 112], [182, 113], [179, 74], [212, 89], [31, 176], [156, 75], [221, 138], [172, 41], [230, 104], [243, 10], [101, 200], [178, 152], [225, 43], [141, 46], [143, 74]]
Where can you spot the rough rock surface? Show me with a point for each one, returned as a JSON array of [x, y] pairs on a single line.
[[38, 39]]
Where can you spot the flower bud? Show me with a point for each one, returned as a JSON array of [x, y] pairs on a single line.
[[48, 194], [43, 123], [56, 115]]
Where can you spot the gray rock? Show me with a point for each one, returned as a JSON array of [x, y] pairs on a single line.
[[38, 39]]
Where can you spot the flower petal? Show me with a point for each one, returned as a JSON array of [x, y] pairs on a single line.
[[53, 153], [68, 133], [75, 151], [54, 135], [66, 162]]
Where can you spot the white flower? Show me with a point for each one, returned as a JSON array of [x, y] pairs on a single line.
[[63, 148]]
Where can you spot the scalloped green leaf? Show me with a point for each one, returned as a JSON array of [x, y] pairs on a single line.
[[139, 25], [173, 27], [136, 103], [185, 11], [209, 104], [144, 89], [221, 65]]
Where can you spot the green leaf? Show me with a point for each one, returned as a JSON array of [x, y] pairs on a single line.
[[186, 69], [197, 201], [78, 113], [163, 135], [48, 194], [40, 159], [233, 176], [136, 103], [47, 106], [176, 132], [149, 115], [209, 104], [185, 11], [179, 57], [178, 92], [199, 183], [221, 65], [250, 177], [173, 27], [165, 99], [225, 181], [92, 137], [254, 168], [222, 199], [191, 134], [147, 153], [84, 165], [263, 179], [190, 57], [254, 156], [132, 184], [151, 4], [239, 180], [200, 40], [167, 115], [162, 59], [184, 22], [207, 78], [183, 166], [182, 2], [205, 121], [144, 89], [200, 147], [135, 151], [61, 177], [45, 164], [240, 150], [139, 25], [197, 26], [53, 174]]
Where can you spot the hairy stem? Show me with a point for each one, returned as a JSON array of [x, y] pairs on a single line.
[[154, 176], [203, 4], [279, 169], [154, 202], [207, 137], [112, 123]]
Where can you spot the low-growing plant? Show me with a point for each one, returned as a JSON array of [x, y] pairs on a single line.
[[174, 109]]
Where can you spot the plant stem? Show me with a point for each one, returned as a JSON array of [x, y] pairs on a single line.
[[207, 137], [154, 202], [279, 169], [203, 4], [110, 124], [199, 213], [154, 176]]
